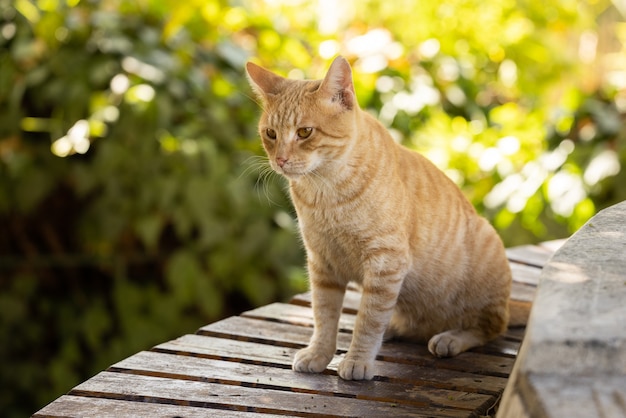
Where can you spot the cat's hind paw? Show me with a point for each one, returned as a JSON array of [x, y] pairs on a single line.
[[354, 369], [444, 345], [309, 360], [453, 342]]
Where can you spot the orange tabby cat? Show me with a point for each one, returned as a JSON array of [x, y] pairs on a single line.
[[375, 213]]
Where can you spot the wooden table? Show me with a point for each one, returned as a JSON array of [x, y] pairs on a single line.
[[241, 366]]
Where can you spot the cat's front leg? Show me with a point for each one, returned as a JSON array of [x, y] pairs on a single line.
[[327, 300], [378, 301]]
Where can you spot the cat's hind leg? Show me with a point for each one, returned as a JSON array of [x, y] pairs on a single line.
[[453, 342], [483, 327]]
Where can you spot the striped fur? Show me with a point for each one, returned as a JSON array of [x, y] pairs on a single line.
[[377, 214]]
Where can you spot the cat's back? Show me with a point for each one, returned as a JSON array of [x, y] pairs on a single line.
[[444, 231]]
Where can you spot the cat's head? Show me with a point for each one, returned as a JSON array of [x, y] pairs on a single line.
[[306, 126]]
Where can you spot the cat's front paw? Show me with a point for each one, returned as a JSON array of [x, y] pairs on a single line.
[[310, 360], [356, 369]]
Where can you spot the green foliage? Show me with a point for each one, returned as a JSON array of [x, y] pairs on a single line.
[[508, 99], [133, 207], [128, 189]]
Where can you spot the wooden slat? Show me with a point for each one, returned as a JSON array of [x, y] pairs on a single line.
[[81, 406], [236, 397], [523, 292], [280, 334], [553, 245], [295, 314], [531, 255], [523, 273], [229, 350], [255, 353], [231, 373], [498, 346], [288, 335]]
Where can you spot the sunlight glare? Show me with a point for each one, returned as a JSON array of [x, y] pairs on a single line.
[[565, 190], [603, 165], [489, 159], [374, 49], [328, 49], [76, 140], [508, 73], [8, 30], [141, 93], [429, 48], [460, 143], [144, 70], [119, 84], [588, 46], [332, 14], [501, 192], [509, 145], [61, 147]]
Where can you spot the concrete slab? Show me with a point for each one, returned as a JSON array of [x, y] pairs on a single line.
[[574, 350]]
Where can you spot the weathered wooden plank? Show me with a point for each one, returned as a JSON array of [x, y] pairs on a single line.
[[267, 332], [523, 273], [233, 397], [229, 350], [79, 406], [500, 347], [523, 292], [303, 316], [515, 334], [298, 336], [230, 373], [287, 335], [553, 245], [475, 362], [296, 315], [255, 353], [532, 255]]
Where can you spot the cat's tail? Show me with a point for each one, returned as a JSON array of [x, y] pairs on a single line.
[[519, 311]]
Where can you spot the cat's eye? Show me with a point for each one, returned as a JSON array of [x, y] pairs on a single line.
[[271, 134], [304, 133]]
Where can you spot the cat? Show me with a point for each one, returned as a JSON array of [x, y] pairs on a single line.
[[373, 212]]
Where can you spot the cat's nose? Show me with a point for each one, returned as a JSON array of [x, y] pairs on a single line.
[[281, 161]]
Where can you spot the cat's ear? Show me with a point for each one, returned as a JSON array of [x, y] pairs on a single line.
[[337, 86], [264, 82]]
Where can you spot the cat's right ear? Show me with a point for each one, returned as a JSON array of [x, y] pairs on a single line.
[[264, 82], [337, 85]]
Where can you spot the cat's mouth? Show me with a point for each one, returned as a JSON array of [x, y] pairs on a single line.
[[292, 170], [290, 173]]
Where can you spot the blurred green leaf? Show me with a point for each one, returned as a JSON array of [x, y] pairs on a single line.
[[149, 230]]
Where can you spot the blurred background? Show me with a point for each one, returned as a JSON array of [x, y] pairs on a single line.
[[132, 205]]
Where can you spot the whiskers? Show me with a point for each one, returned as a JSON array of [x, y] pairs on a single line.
[[260, 164], [316, 178], [252, 99], [318, 185], [321, 184]]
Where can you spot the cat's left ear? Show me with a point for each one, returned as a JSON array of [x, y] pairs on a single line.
[[264, 82], [337, 86]]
